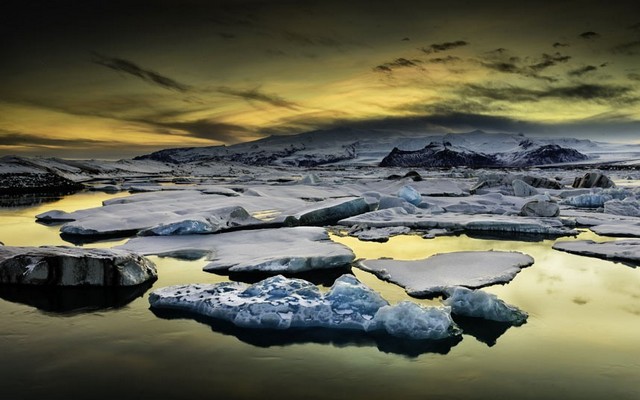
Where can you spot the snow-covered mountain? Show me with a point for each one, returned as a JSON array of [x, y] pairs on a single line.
[[369, 147], [445, 154]]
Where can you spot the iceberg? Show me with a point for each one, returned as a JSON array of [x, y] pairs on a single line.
[[72, 266], [283, 303], [479, 304], [409, 194], [433, 275]]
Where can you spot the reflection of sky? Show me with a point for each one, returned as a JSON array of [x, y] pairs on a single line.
[[587, 351], [120, 78]]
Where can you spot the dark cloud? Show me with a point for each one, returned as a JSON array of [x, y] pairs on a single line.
[[406, 39], [634, 76], [582, 71], [207, 129], [8, 138], [397, 63], [227, 35], [629, 48], [121, 65], [445, 60], [257, 95], [558, 44], [549, 60], [438, 47], [598, 93], [499, 60], [589, 35]]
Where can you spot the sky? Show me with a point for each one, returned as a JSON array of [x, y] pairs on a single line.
[[114, 79]]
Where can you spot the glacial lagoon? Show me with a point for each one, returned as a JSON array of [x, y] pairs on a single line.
[[580, 341]]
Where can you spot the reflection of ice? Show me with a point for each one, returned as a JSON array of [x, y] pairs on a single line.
[[72, 300]]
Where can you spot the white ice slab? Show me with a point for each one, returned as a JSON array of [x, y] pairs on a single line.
[[435, 274], [479, 304], [273, 250], [621, 250]]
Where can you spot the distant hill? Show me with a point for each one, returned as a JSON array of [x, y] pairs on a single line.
[[397, 148]]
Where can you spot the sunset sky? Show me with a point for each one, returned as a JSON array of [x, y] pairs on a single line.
[[121, 78]]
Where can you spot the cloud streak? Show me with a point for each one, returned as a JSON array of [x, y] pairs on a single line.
[[397, 63], [586, 92], [438, 47], [149, 76], [257, 95], [581, 71]]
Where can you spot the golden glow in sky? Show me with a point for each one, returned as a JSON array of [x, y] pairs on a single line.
[[116, 79]]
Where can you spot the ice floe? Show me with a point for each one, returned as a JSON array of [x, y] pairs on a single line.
[[435, 274], [281, 250], [72, 266], [392, 217], [627, 250], [281, 303]]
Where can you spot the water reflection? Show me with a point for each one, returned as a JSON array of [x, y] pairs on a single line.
[[72, 300], [340, 338], [324, 277], [483, 330]]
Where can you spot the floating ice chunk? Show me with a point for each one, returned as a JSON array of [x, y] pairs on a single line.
[[189, 226], [410, 194], [410, 320], [537, 208], [588, 200], [629, 207], [72, 266], [479, 304], [452, 221], [282, 303], [618, 228], [327, 212], [621, 250], [271, 250], [435, 274], [522, 189], [210, 222]]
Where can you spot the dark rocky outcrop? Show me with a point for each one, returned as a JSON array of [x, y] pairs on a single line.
[[72, 266], [27, 182], [443, 155], [438, 155]]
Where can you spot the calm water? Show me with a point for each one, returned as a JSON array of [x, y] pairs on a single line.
[[581, 340]]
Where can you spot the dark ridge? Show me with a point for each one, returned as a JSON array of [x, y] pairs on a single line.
[[437, 155], [45, 183]]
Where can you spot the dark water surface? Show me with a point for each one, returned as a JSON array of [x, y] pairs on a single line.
[[582, 339]]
